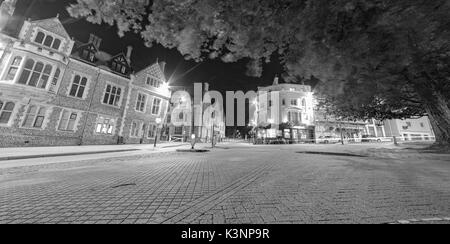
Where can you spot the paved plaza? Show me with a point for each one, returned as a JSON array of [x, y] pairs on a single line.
[[234, 184]]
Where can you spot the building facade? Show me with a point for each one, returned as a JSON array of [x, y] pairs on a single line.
[[285, 111], [206, 120], [56, 91], [410, 129]]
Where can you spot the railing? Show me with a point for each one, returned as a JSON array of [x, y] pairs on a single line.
[[411, 139]]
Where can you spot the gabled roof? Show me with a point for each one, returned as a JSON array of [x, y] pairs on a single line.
[[53, 25], [154, 69], [123, 58]]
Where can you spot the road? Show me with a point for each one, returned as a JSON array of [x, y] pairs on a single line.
[[229, 185]]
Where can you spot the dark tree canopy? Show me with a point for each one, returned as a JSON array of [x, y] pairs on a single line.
[[375, 58]]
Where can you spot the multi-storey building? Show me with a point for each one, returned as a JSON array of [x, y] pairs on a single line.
[[205, 120], [55, 91], [285, 110], [410, 129]]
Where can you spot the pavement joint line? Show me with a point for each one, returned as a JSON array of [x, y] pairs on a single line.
[[216, 197]]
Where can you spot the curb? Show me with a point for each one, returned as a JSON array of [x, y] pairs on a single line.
[[412, 221], [63, 154]]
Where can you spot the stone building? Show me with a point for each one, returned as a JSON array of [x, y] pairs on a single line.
[[204, 119], [56, 91], [285, 111]]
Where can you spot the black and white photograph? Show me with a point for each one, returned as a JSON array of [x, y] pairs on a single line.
[[241, 115]]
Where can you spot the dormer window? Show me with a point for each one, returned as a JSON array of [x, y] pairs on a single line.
[[120, 65], [47, 40]]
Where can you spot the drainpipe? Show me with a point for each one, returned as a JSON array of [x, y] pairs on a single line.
[[89, 108]]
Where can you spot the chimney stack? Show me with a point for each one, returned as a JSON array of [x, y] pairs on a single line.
[[163, 66], [129, 52], [97, 41], [276, 81]]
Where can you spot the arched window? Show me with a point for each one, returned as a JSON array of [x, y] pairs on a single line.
[[26, 72], [56, 44], [181, 116], [6, 111], [14, 68], [40, 38], [48, 41], [78, 86], [35, 74]]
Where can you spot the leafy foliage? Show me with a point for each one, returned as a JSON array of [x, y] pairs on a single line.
[[375, 58]]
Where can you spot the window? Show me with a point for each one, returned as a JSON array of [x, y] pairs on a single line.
[[34, 117], [294, 102], [135, 129], [284, 102], [294, 117], [304, 103], [40, 38], [140, 104], [6, 110], [422, 125], [408, 124], [47, 40], [181, 116], [151, 131], [153, 82], [270, 103], [156, 106], [112, 95], [56, 44], [105, 126], [55, 80], [68, 121], [35, 74], [178, 130], [78, 86], [13, 68], [88, 55]]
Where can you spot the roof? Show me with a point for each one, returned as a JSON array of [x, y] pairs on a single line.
[[53, 25]]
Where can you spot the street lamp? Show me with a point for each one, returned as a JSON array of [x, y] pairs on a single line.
[[158, 122]]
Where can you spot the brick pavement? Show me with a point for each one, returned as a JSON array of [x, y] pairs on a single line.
[[262, 185]]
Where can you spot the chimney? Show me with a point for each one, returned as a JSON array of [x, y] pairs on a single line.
[[97, 41], [129, 52], [163, 66], [206, 87], [276, 81], [7, 9]]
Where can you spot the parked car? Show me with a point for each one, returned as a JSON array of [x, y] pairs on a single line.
[[329, 140], [368, 138]]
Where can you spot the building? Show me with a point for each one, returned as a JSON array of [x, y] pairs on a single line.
[[204, 119], [285, 111], [329, 129], [410, 129], [57, 91]]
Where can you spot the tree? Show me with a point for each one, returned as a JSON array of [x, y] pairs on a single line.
[[374, 58]]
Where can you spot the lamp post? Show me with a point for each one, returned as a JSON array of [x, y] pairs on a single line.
[[158, 121]]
